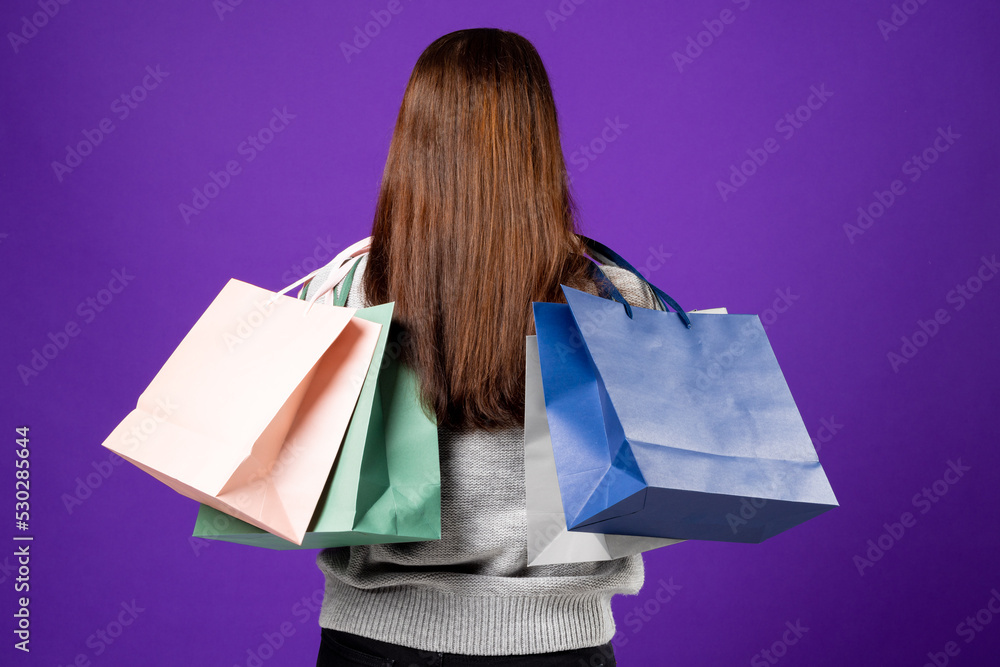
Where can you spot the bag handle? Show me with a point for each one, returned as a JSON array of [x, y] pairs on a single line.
[[340, 296], [340, 269], [338, 273], [606, 255], [603, 280], [597, 250]]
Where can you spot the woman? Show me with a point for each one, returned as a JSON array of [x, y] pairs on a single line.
[[474, 221]]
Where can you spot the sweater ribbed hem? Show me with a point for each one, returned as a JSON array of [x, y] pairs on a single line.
[[430, 620]]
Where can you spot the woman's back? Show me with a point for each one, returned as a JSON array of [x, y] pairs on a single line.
[[474, 221], [471, 591]]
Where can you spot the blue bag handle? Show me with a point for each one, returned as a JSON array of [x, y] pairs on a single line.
[[601, 279], [604, 254]]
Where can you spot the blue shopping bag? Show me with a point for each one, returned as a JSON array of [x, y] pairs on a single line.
[[666, 430]]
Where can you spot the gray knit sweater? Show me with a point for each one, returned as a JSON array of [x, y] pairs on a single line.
[[471, 592]]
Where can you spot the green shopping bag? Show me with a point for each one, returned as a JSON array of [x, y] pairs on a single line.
[[385, 485]]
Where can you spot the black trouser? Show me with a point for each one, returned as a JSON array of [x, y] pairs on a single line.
[[342, 648]]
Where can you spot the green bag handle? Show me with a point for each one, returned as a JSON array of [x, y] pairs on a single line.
[[339, 296]]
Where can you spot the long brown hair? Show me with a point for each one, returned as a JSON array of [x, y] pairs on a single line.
[[474, 221]]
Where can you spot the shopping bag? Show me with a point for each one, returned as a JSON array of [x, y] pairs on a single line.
[[247, 413], [385, 485], [661, 430], [549, 542]]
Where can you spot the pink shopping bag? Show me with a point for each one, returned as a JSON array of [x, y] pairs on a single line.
[[248, 413]]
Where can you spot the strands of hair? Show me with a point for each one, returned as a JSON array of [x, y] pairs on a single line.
[[474, 221]]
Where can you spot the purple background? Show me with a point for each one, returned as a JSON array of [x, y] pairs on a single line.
[[312, 190]]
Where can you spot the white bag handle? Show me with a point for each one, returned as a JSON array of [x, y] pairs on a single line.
[[340, 269]]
